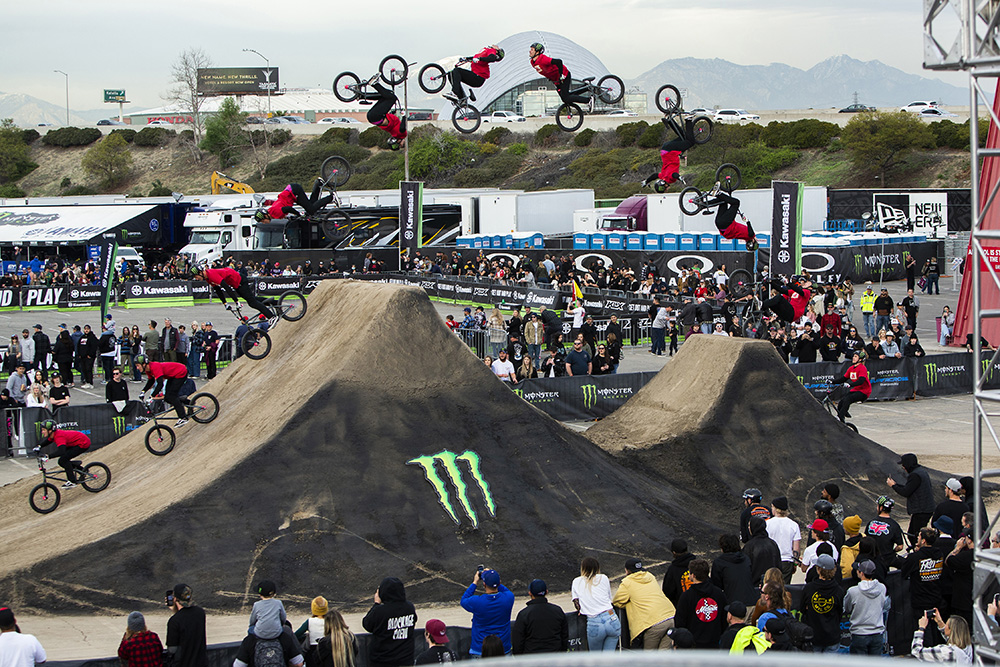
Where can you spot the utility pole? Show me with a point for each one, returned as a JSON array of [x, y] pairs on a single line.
[[267, 63], [59, 71]]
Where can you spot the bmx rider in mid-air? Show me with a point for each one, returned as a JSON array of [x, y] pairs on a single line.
[[175, 375], [69, 445], [670, 155], [280, 208], [381, 116], [228, 282], [475, 76], [555, 71], [791, 300], [725, 218]]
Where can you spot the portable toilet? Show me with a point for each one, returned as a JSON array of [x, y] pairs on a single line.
[[598, 241], [581, 241], [727, 244], [651, 241], [687, 242], [536, 241], [464, 242], [668, 241], [508, 241], [764, 240], [707, 241], [633, 241], [615, 241]]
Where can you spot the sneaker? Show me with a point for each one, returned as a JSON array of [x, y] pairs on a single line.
[[180, 422], [450, 97], [68, 485], [649, 179], [472, 96], [682, 180], [716, 189], [87, 385]]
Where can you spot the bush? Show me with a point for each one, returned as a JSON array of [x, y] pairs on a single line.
[[519, 148], [584, 137], [160, 190], [71, 136], [14, 154], [281, 136], [29, 136], [629, 132], [110, 160], [805, 133], [383, 170], [65, 183], [434, 155], [11, 191], [276, 137], [473, 178], [126, 134], [651, 137], [153, 136], [373, 137], [545, 132], [187, 135], [336, 135], [78, 191], [503, 166], [496, 135], [303, 166]]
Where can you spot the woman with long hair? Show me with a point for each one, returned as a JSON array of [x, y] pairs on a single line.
[[39, 378], [36, 398], [526, 370], [339, 646], [592, 598], [136, 349], [958, 648], [947, 324], [125, 341], [772, 576]]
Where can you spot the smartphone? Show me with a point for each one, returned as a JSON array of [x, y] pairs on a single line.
[[930, 614], [480, 568], [996, 599], [169, 598]]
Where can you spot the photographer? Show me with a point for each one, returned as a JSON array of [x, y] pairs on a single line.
[[185, 629], [807, 346]]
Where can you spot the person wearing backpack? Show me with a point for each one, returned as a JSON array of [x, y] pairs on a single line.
[[822, 605], [865, 603]]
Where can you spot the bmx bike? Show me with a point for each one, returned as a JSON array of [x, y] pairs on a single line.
[[45, 497], [465, 117], [830, 403], [693, 201], [348, 87], [609, 90], [668, 101], [256, 343], [202, 407]]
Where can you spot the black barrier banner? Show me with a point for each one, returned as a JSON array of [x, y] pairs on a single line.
[[109, 247], [83, 296], [944, 374], [411, 217], [584, 397], [102, 423], [275, 285], [201, 291], [42, 297], [892, 379], [158, 289], [786, 229]]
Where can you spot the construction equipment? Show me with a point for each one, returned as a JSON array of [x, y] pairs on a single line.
[[220, 181]]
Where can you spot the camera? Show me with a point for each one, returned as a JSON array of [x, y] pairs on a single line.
[[480, 568], [930, 614]]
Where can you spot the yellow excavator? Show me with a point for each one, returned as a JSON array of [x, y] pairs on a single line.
[[220, 181]]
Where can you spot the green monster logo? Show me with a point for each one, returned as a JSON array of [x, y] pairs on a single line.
[[859, 263], [119, 425], [987, 369], [449, 461], [930, 372], [589, 395], [519, 393], [801, 379]]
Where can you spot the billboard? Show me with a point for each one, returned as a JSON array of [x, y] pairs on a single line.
[[114, 95], [237, 80], [928, 211]]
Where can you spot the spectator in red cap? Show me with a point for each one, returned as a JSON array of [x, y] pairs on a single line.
[[17, 648], [821, 534], [436, 634]]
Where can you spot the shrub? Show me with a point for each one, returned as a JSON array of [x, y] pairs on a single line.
[[473, 178], [303, 166], [187, 136], [71, 136], [584, 137], [432, 156], [629, 132], [520, 148], [160, 190], [14, 154], [65, 183], [651, 137], [153, 136], [127, 134], [11, 191], [29, 136], [504, 165], [496, 135], [79, 190], [545, 132], [487, 148], [336, 135], [110, 160], [373, 137], [280, 136], [805, 133]]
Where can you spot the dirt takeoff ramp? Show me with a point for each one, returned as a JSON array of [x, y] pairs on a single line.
[[369, 443], [727, 414]]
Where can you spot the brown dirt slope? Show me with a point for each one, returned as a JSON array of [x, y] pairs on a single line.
[[307, 477]]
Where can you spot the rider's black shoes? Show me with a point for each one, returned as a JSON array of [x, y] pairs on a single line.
[[472, 96], [450, 97], [402, 127], [752, 244]]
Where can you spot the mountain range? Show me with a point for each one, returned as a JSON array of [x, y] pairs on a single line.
[[28, 111]]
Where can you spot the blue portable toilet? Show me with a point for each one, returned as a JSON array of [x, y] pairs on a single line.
[[708, 241], [598, 240], [508, 241], [668, 241], [464, 242], [633, 241], [687, 242], [651, 241], [537, 241], [581, 241], [764, 240], [728, 244], [615, 241]]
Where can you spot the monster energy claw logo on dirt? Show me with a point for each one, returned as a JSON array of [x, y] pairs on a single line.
[[449, 462]]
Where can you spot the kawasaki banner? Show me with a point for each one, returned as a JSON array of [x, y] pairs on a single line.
[[102, 423], [786, 229], [584, 397], [411, 211], [265, 285], [109, 247], [156, 293]]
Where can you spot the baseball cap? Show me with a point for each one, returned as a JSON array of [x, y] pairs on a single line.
[[866, 566], [182, 592], [633, 564], [681, 637], [775, 626], [208, 324], [38, 326], [889, 334], [894, 321], [266, 587], [467, 309], [491, 578], [6, 617], [781, 503], [954, 485], [737, 609], [826, 562], [538, 587], [437, 630], [820, 525], [63, 325]]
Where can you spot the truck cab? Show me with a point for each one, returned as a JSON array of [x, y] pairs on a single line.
[[616, 223], [216, 233]]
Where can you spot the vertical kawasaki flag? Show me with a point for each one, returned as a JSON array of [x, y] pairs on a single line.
[[411, 217], [109, 248], [786, 229]]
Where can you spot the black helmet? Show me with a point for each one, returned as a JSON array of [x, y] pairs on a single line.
[[394, 144], [500, 53], [752, 494], [49, 425], [823, 506], [660, 186], [538, 47], [140, 359], [885, 502], [261, 215]]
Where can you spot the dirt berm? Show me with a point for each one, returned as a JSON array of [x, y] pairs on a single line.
[[727, 414], [318, 474]]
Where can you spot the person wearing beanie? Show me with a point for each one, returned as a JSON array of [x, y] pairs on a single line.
[[849, 552], [312, 627], [918, 492], [787, 534], [18, 648], [390, 621], [540, 627], [822, 604], [677, 578], [830, 493], [437, 653], [140, 647], [268, 614]]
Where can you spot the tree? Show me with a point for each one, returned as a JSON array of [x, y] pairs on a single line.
[[110, 160], [14, 162], [224, 133], [184, 89], [880, 141]]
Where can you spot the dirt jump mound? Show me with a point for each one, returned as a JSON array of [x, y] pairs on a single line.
[[727, 414], [370, 442]]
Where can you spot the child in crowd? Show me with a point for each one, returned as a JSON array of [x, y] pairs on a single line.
[[268, 614]]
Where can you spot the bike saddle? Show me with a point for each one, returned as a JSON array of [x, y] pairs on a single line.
[[589, 78]]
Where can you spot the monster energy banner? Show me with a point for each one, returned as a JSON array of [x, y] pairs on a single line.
[[411, 211], [584, 397], [109, 247], [102, 423], [786, 229]]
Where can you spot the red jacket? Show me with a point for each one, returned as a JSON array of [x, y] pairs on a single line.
[[831, 320], [285, 198], [799, 303], [544, 66], [671, 165], [859, 371], [63, 438], [482, 68], [226, 275], [169, 369]]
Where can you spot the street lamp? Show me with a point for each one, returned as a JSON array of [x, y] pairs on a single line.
[[267, 63], [59, 71]]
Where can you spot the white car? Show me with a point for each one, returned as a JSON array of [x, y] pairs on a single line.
[[623, 112], [503, 117], [919, 106], [934, 112], [734, 116], [701, 111], [159, 123], [338, 121]]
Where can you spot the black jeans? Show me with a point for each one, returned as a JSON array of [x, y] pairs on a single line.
[[779, 306], [917, 521], [386, 99], [108, 366], [209, 356], [66, 460], [567, 95], [460, 75], [845, 403], [87, 370], [171, 394], [244, 291], [728, 209], [66, 371], [312, 203]]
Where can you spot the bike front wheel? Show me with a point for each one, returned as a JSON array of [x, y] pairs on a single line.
[[729, 177], [569, 117], [668, 99], [740, 283], [335, 171], [690, 201], [702, 129], [466, 119], [393, 70], [160, 440], [851, 426], [256, 344], [292, 305], [96, 477], [204, 407], [336, 226], [610, 89], [44, 498], [432, 78], [347, 86]]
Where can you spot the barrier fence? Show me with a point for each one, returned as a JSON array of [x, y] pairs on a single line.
[[103, 423]]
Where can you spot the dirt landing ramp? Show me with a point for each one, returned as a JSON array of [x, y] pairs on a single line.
[[369, 443]]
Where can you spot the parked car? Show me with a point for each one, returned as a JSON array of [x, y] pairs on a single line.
[[287, 120], [919, 106], [856, 108], [338, 121], [159, 123], [110, 121], [701, 111], [255, 120], [503, 117], [734, 116], [623, 112], [46, 125], [934, 112]]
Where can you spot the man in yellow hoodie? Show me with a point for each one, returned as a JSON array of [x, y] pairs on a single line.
[[650, 613]]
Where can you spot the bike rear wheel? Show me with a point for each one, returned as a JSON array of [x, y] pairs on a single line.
[[335, 171], [393, 70], [160, 440], [292, 305], [96, 477], [610, 89], [668, 99], [466, 119], [851, 426], [569, 117], [431, 78], [336, 226], [729, 177], [256, 344], [44, 498], [203, 407], [347, 86], [740, 283], [702, 128], [690, 201]]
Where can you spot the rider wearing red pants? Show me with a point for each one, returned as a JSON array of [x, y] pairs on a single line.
[[861, 387], [228, 282], [554, 70], [69, 445], [670, 155], [476, 75], [175, 375]]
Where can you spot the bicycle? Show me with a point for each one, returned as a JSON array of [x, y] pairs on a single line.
[[45, 497], [668, 101], [609, 90], [348, 87], [335, 223], [202, 407], [256, 343], [830, 404], [465, 117], [693, 201]]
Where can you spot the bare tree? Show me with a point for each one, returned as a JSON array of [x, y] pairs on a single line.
[[184, 88]]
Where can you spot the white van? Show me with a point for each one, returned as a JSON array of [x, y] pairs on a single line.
[[128, 254]]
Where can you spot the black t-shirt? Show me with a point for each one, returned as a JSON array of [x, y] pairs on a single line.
[[436, 655], [887, 534], [288, 647], [186, 631], [58, 393]]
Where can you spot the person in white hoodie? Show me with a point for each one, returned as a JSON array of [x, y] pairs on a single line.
[[865, 603]]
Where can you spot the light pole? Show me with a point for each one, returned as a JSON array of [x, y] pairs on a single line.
[[267, 63], [59, 71]]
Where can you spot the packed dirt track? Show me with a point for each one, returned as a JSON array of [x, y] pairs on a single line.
[[371, 442]]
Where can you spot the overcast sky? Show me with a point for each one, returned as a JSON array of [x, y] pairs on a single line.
[[131, 45]]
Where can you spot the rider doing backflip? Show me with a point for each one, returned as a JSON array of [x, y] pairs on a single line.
[[555, 71], [725, 218], [229, 282], [475, 76], [380, 114], [69, 445], [293, 193], [175, 375], [790, 302], [670, 155], [861, 387]]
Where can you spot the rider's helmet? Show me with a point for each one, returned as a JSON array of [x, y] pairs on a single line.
[[49, 425], [823, 506], [538, 47], [261, 215], [140, 359], [660, 186], [885, 502], [753, 494], [499, 51], [862, 355], [394, 144]]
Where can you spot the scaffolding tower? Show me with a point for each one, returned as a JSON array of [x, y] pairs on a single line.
[[962, 35]]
